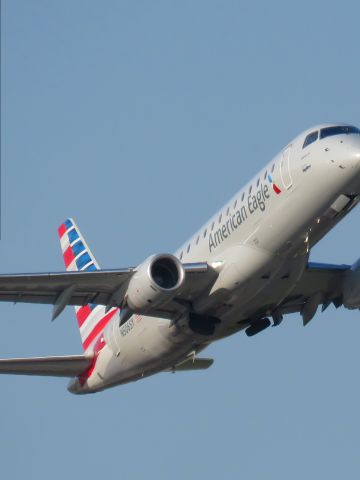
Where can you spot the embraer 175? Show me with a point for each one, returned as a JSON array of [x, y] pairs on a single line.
[[244, 269]]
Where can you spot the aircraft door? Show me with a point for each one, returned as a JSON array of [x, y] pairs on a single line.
[[285, 171]]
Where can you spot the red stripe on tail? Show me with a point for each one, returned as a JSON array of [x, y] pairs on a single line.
[[99, 345], [68, 256], [83, 313], [61, 230], [99, 327]]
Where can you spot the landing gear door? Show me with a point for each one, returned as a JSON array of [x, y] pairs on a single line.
[[285, 171]]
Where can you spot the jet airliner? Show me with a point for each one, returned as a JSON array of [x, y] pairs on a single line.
[[244, 270]]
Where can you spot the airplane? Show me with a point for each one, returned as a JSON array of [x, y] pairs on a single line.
[[243, 270]]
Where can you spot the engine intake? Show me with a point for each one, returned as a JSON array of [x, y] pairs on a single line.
[[155, 282], [165, 272]]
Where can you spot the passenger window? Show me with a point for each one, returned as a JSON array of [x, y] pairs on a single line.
[[273, 168], [205, 231], [257, 183], [242, 197], [181, 255], [197, 240], [311, 138], [265, 175], [188, 248], [227, 211], [212, 226], [235, 203], [220, 217], [250, 189]]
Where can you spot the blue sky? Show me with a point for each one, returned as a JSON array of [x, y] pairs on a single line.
[[140, 119]]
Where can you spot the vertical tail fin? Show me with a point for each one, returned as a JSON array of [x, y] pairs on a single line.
[[91, 318], [76, 253]]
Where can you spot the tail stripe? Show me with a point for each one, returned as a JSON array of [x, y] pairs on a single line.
[[61, 230], [94, 318], [64, 241], [98, 329], [68, 256], [78, 247], [88, 325], [89, 267], [71, 242], [74, 249], [91, 318], [83, 260], [73, 235], [82, 314]]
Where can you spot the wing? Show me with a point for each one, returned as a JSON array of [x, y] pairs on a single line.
[[88, 287], [65, 366], [97, 287], [84, 283], [320, 284]]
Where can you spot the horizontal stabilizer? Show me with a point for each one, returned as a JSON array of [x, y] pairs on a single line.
[[64, 366], [193, 364]]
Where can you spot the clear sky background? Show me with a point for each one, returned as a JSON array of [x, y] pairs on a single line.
[[140, 119]]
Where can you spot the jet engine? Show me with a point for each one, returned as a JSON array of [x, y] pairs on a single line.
[[156, 281], [351, 287]]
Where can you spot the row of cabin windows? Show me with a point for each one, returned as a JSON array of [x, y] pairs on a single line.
[[227, 211]]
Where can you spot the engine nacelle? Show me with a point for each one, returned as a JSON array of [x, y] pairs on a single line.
[[156, 281], [351, 287]]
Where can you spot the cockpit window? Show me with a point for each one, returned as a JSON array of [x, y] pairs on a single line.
[[342, 130], [311, 138]]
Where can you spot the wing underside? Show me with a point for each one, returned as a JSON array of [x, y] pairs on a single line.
[[318, 285], [93, 287], [323, 282]]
